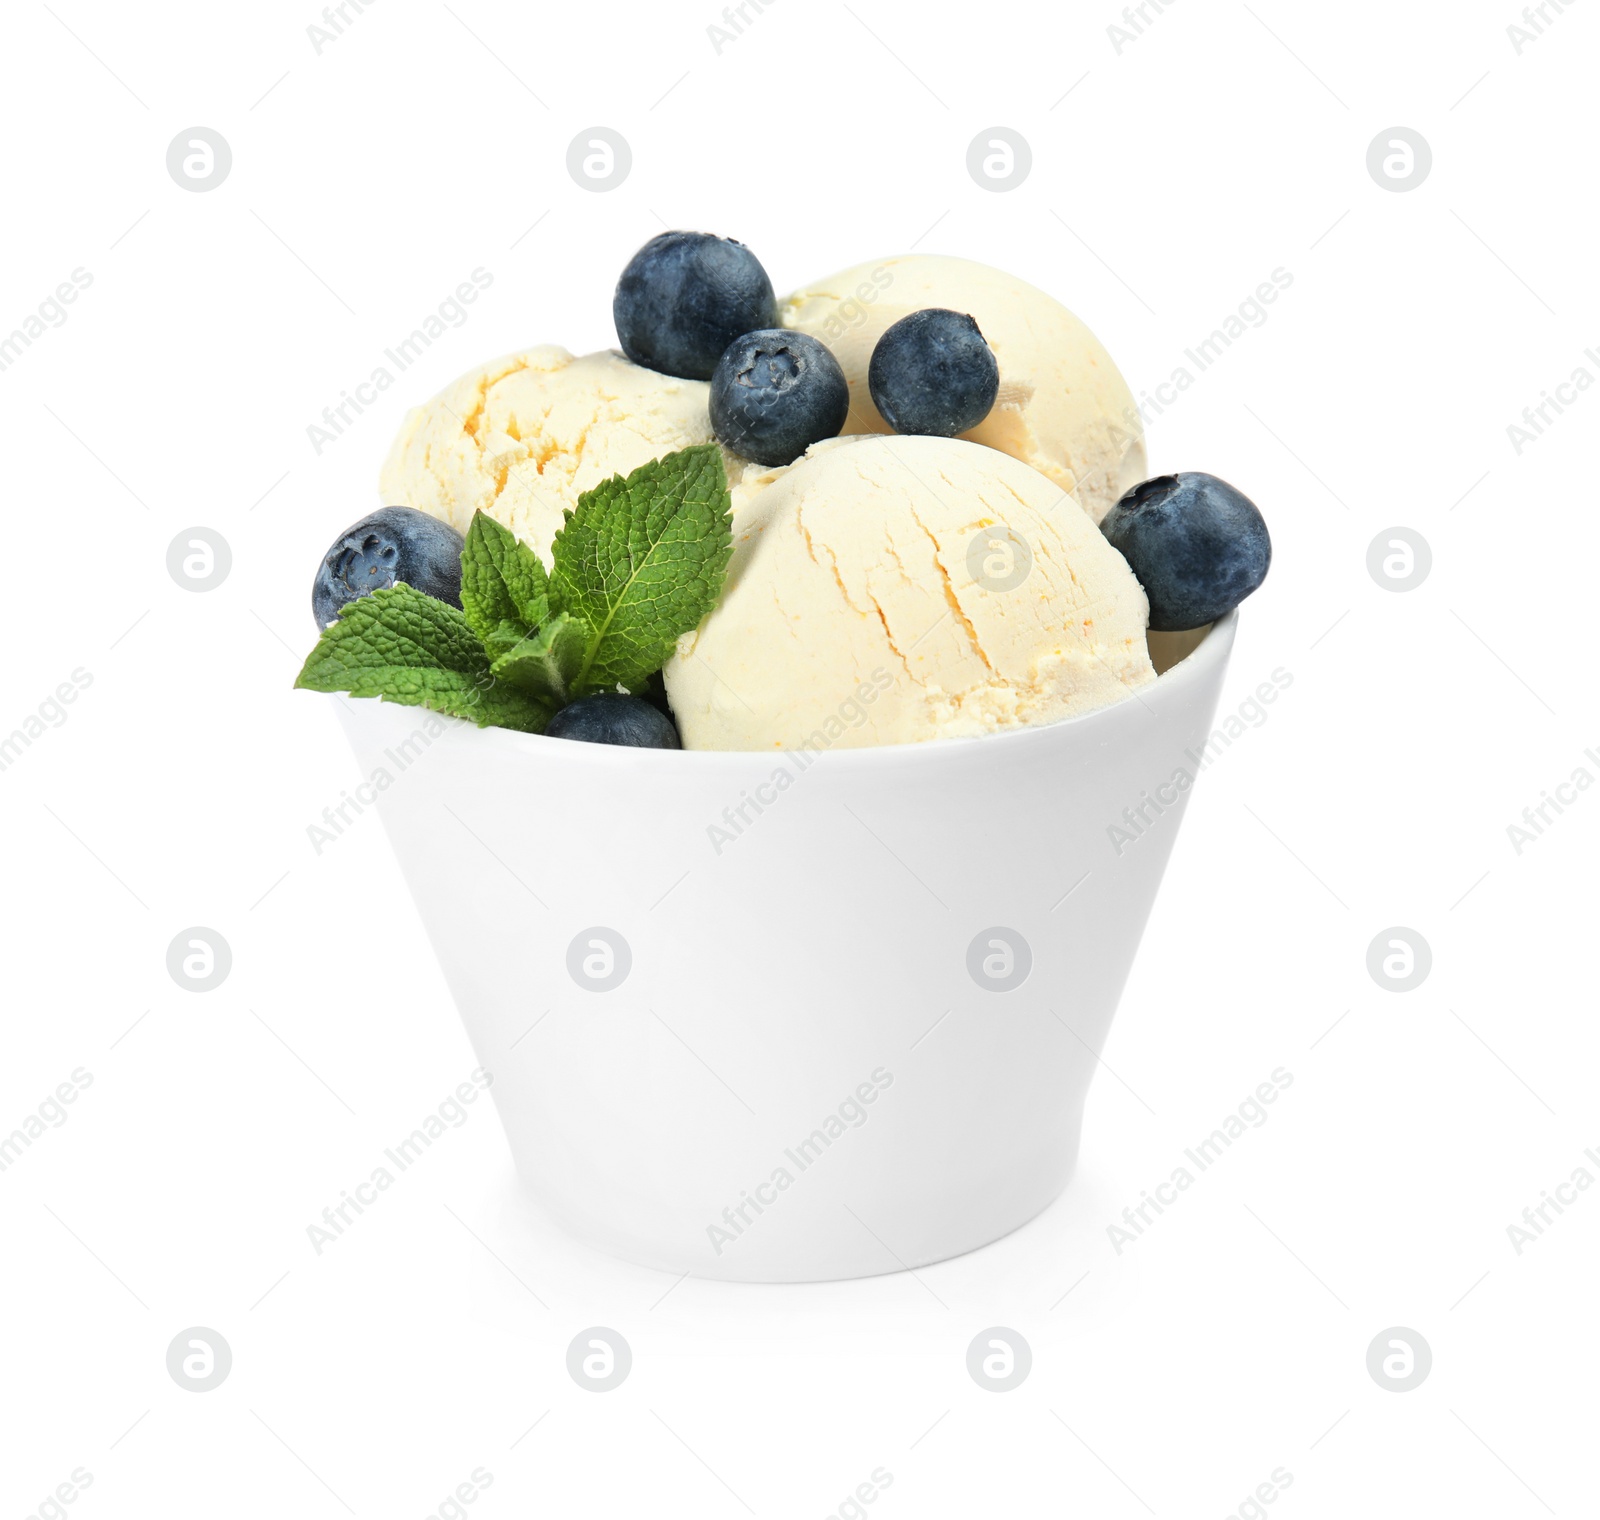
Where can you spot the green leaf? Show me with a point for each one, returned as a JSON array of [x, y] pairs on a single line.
[[406, 647], [545, 664], [502, 580], [641, 561], [508, 636]]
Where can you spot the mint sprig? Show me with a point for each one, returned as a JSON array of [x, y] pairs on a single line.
[[639, 563]]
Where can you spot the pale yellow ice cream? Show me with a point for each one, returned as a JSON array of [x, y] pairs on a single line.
[[1062, 408], [874, 598], [522, 437]]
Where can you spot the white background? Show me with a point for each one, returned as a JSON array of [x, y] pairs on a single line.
[[1168, 181]]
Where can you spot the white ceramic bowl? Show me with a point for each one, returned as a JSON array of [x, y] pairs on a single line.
[[823, 1059]]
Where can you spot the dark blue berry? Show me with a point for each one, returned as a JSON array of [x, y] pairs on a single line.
[[393, 544], [684, 297], [615, 720], [933, 373], [775, 393], [1198, 547]]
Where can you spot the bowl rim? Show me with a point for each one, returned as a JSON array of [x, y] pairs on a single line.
[[1211, 652]]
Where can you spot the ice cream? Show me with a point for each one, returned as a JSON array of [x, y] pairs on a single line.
[[885, 590], [882, 587], [522, 437], [1062, 408]]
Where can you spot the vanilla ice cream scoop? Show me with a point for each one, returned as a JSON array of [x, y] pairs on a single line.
[[1062, 408], [523, 437], [885, 590]]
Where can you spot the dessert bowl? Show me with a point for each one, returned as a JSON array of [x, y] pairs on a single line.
[[790, 1016]]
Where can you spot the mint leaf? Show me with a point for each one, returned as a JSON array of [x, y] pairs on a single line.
[[641, 561], [502, 580], [508, 636], [406, 647], [544, 665]]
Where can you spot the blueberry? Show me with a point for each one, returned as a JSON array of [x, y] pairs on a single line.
[[775, 393], [393, 544], [684, 297], [1198, 547], [615, 720], [933, 373]]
